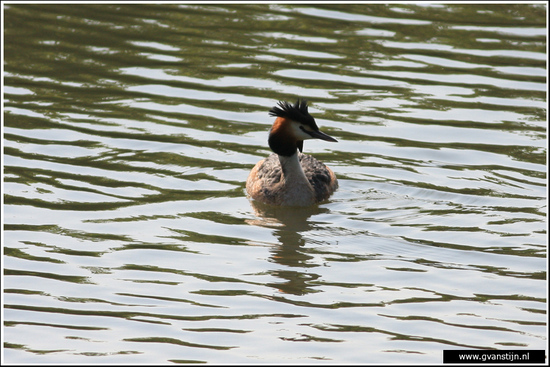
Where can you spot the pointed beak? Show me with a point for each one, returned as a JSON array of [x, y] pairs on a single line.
[[321, 135]]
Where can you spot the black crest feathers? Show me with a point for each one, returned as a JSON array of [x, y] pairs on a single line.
[[297, 112]]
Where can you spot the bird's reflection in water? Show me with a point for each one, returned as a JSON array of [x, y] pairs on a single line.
[[288, 224]]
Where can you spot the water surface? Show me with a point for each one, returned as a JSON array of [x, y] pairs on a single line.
[[129, 131]]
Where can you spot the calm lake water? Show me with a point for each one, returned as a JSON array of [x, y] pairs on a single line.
[[129, 132]]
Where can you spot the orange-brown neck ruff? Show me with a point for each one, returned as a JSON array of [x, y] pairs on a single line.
[[281, 140], [280, 124]]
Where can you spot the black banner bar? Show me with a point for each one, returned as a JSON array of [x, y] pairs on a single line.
[[494, 356]]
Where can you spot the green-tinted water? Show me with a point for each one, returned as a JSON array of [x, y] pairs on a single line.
[[129, 131]]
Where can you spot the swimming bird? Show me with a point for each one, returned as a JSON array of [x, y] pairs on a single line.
[[287, 177]]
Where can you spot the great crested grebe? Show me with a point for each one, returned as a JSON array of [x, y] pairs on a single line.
[[288, 177]]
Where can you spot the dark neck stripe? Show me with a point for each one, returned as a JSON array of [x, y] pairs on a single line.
[[281, 146]]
